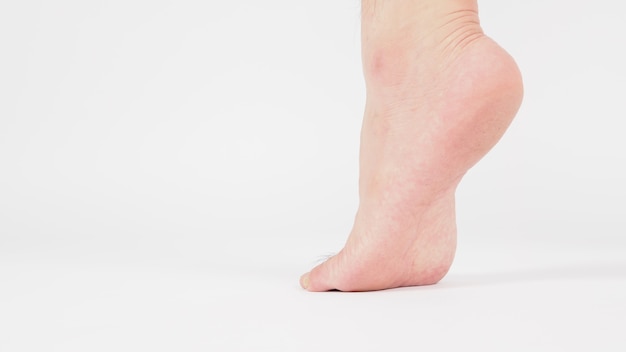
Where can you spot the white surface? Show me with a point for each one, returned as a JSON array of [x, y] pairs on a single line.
[[168, 169]]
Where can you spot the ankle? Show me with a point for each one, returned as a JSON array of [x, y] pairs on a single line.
[[420, 41]]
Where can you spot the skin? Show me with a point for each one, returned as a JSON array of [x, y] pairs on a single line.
[[440, 94]]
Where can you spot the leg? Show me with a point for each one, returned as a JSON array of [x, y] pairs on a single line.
[[440, 94]]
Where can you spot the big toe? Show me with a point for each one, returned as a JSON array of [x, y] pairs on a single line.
[[320, 279]]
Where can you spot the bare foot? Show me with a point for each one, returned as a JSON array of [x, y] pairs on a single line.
[[440, 94]]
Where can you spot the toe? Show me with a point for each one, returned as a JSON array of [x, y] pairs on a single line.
[[319, 279]]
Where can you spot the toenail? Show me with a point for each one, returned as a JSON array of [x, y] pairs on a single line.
[[304, 281]]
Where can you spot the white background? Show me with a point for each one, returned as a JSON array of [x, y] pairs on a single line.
[[168, 169]]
